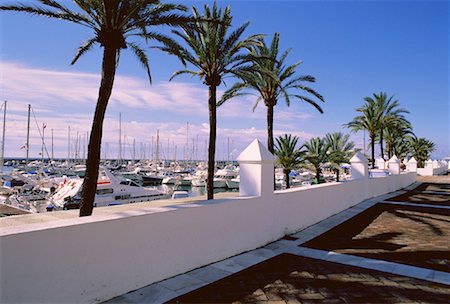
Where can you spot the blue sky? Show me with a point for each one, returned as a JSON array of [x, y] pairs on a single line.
[[353, 48]]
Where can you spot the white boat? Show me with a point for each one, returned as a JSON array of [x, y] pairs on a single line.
[[199, 178], [233, 183], [180, 194], [111, 190], [176, 179], [222, 175]]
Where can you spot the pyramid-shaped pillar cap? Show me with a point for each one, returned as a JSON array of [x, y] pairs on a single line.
[[394, 159], [256, 152], [412, 160], [359, 158]]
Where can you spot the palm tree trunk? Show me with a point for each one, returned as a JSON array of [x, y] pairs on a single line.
[[95, 140], [318, 171], [372, 148], [270, 129], [381, 144], [286, 172], [212, 140]]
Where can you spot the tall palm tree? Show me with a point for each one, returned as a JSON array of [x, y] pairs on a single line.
[[390, 115], [340, 150], [215, 53], [288, 155], [273, 79], [421, 149], [112, 22], [315, 155], [398, 130], [369, 120]]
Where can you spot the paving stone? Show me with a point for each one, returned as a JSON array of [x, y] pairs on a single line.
[[181, 282], [294, 279], [348, 274], [412, 235], [209, 274]]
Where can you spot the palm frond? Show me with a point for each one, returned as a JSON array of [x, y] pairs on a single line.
[[85, 47], [142, 57], [177, 73]]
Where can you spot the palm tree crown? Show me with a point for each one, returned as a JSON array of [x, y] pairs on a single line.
[[340, 150], [113, 22], [273, 79], [369, 120], [215, 53], [288, 155], [390, 115], [421, 148], [315, 155]]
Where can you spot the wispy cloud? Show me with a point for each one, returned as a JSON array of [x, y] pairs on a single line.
[[62, 99]]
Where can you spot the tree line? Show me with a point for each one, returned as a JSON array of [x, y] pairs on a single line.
[[384, 120]]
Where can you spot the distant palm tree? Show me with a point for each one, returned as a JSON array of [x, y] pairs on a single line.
[[288, 155], [369, 120], [421, 149], [315, 155], [113, 22], [397, 131], [402, 147], [273, 79], [215, 55], [390, 115], [340, 150]]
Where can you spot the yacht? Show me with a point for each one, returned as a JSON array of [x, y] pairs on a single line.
[[111, 190], [223, 175], [233, 183]]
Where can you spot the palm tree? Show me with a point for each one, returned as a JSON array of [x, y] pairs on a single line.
[[368, 120], [215, 55], [421, 149], [390, 115], [272, 79], [398, 130], [402, 147], [113, 22], [315, 155], [288, 156], [340, 150]]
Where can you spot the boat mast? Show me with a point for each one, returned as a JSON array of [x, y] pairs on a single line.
[[134, 150], [28, 134], [228, 149], [2, 155], [52, 144], [43, 142], [68, 146], [187, 142], [157, 146], [120, 138]]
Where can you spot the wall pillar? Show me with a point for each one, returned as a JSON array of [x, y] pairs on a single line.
[[394, 165], [411, 166], [380, 163], [360, 166], [256, 167]]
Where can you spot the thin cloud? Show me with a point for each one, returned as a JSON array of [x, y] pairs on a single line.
[[66, 99]]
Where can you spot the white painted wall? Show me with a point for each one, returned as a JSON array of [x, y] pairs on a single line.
[[99, 257], [433, 168]]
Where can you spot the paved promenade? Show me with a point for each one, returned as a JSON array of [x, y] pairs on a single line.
[[391, 249]]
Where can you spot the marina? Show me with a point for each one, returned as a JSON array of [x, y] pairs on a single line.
[[56, 185]]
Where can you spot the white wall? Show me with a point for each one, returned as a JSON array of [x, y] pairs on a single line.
[[99, 257]]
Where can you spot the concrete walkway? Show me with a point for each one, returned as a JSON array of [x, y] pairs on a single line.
[[287, 271]]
